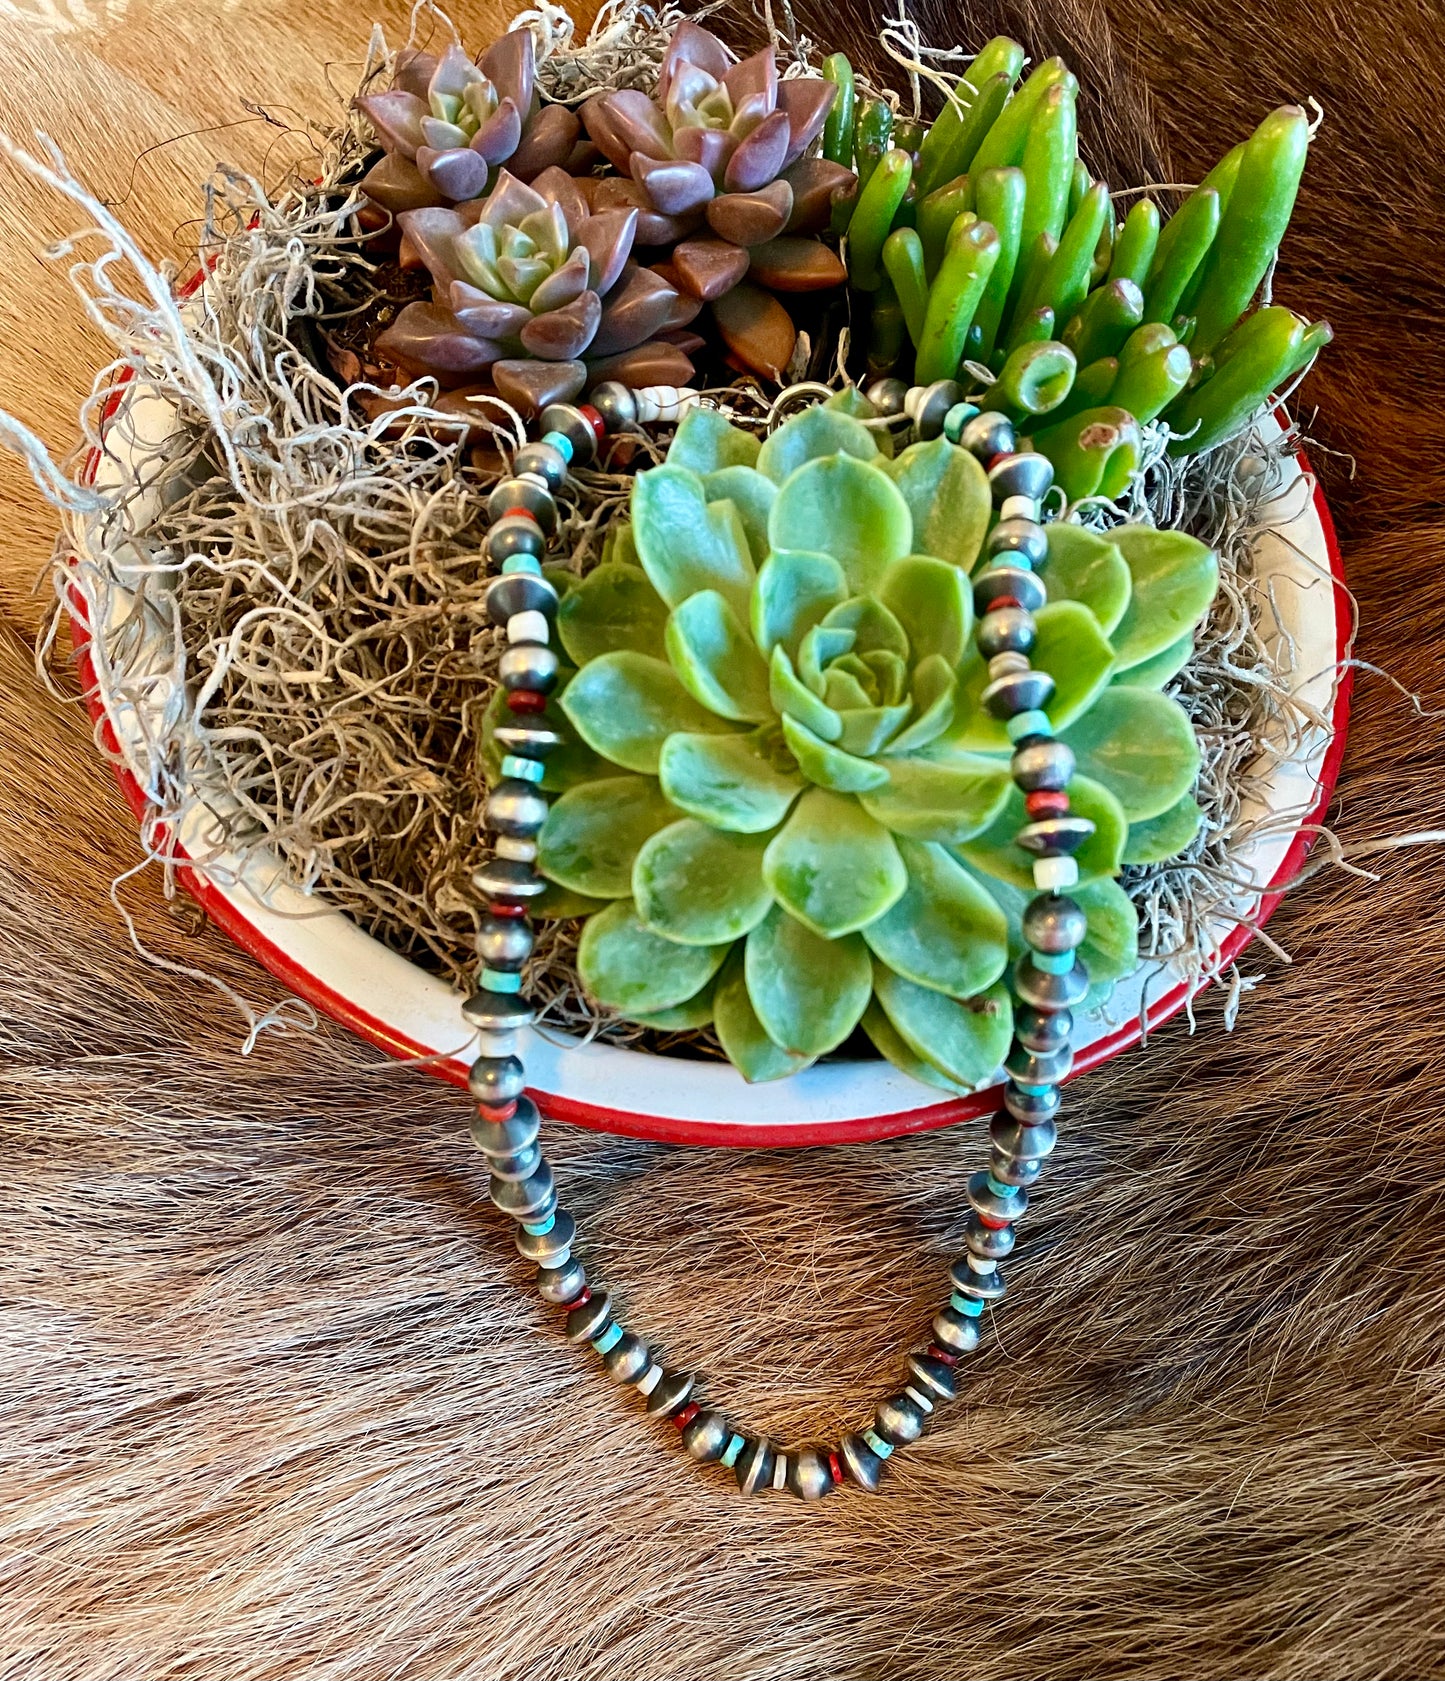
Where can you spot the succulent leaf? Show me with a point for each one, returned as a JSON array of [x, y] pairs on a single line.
[[809, 993], [700, 885], [686, 543], [728, 781], [691, 1014], [706, 442], [594, 833], [831, 767], [948, 498], [1174, 579], [930, 600], [1164, 836], [946, 932], [795, 590], [613, 607], [848, 509], [1140, 745], [833, 866], [1083, 566], [890, 1043], [741, 1034], [751, 494], [627, 967], [966, 1042], [949, 798], [1070, 646], [625, 705], [1158, 670], [816, 432], [717, 659]]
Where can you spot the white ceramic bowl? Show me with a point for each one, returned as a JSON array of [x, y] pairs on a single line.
[[325, 958]]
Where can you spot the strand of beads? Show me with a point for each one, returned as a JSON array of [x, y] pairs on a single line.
[[1049, 979]]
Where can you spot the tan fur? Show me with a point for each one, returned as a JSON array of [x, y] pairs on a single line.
[[276, 1402]]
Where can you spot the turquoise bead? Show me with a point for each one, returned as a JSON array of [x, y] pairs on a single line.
[[530, 770], [1033, 1091], [501, 980], [998, 1189], [966, 1304], [609, 1338], [875, 1441], [1053, 962], [956, 419], [1029, 723], [732, 1450], [542, 1227], [559, 441], [523, 563]]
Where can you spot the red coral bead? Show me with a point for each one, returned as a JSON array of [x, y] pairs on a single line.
[[1000, 601], [993, 1225], [594, 420], [497, 1112], [835, 1465], [1046, 802], [936, 1352], [686, 1416], [499, 909], [526, 700], [577, 1301]]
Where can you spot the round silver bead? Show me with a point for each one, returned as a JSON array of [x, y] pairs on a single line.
[[524, 493], [528, 741], [1053, 923], [1025, 537], [533, 1198], [1020, 691], [545, 461], [589, 1319], [931, 1375], [755, 1466], [519, 592], [887, 395], [1040, 1032], [1046, 991], [528, 665], [627, 1359], [989, 1243], [1010, 1172], [507, 878], [560, 1285], [505, 1138], [504, 942], [517, 534], [615, 403], [496, 1080], [1027, 474], [987, 435], [671, 1394], [930, 406], [1006, 630], [977, 1286], [1039, 1068], [810, 1476], [862, 1465], [497, 1012], [548, 1248], [984, 1200], [516, 807], [706, 1437], [574, 427], [955, 1331], [1031, 1107], [899, 1420], [521, 1164], [1019, 1141], [1024, 586], [1054, 837], [1042, 765]]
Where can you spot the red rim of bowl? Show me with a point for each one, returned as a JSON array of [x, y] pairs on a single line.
[[233, 921]]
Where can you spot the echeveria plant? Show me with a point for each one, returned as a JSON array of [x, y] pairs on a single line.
[[447, 124], [528, 282], [787, 810], [717, 160]]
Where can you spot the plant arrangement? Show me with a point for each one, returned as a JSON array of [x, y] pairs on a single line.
[[790, 799]]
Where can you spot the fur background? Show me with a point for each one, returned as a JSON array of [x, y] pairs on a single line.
[[276, 1403]]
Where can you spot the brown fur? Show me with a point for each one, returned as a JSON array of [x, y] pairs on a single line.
[[277, 1404]]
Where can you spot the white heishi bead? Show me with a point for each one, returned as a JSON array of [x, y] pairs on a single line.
[[522, 850], [496, 1044], [1018, 507], [985, 1267], [925, 1402], [780, 1471], [649, 1379], [527, 627], [1050, 874]]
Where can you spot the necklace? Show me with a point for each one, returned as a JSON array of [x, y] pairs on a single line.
[[1049, 980]]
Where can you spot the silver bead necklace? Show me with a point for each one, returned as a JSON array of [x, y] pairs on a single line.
[[1049, 980]]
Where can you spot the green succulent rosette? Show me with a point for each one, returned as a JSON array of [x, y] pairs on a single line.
[[786, 811]]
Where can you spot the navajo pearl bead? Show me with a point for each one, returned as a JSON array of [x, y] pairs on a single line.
[[1005, 630], [528, 665], [1054, 924], [544, 460], [988, 435]]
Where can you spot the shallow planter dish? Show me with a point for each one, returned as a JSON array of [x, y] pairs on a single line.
[[327, 960]]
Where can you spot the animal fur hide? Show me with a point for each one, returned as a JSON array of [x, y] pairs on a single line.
[[277, 1402]]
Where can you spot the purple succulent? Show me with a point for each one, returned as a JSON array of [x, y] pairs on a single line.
[[447, 124], [537, 291]]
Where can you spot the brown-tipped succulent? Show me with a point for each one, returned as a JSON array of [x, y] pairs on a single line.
[[448, 124], [716, 165], [537, 292]]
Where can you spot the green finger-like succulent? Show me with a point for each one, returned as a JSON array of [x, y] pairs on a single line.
[[784, 789]]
